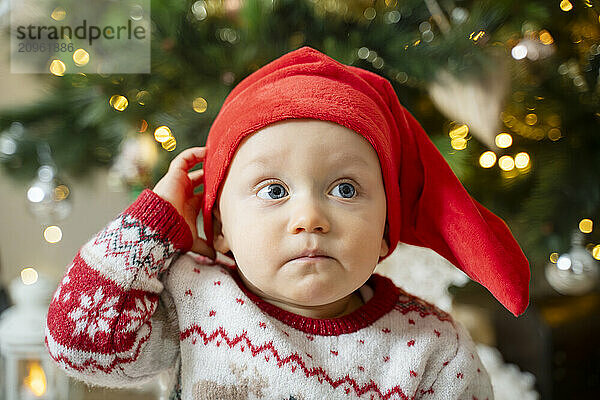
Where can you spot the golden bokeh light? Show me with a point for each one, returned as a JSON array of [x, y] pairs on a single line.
[[487, 159], [554, 134], [142, 126], [531, 119], [554, 257], [506, 163], [81, 57], [53, 234], [170, 144], [503, 140], [546, 37], [61, 192], [199, 105], [58, 14], [118, 102], [35, 380], [459, 132], [586, 225], [142, 97], [458, 144], [475, 36], [566, 5], [522, 160], [29, 276], [162, 134], [58, 67], [596, 252]]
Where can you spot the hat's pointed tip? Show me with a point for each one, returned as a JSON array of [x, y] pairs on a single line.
[[519, 308]]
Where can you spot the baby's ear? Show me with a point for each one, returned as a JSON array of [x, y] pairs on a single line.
[[219, 241]]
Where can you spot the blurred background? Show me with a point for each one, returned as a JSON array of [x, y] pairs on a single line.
[[507, 90]]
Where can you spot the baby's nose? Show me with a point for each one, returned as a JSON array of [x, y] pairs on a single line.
[[309, 216]]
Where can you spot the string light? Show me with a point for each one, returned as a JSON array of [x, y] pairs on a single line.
[[142, 126], [81, 57], [199, 10], [29, 276], [460, 131], [162, 134], [563, 262], [142, 97], [554, 134], [458, 144], [199, 104], [586, 225], [522, 160], [531, 119], [35, 194], [170, 144], [58, 67], [458, 134], [53, 234], [118, 102], [370, 13], [487, 159], [503, 140], [519, 52], [476, 36], [545, 37], [566, 5], [596, 252], [58, 14], [506, 163]]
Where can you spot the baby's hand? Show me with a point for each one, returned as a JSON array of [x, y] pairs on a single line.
[[177, 187]]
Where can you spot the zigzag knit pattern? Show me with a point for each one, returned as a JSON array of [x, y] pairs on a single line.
[[134, 303]]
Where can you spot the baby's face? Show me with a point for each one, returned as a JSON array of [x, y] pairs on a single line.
[[303, 184]]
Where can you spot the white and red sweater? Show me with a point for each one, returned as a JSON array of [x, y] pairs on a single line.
[[134, 302]]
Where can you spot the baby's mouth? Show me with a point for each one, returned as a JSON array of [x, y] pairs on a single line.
[[311, 255], [311, 259]]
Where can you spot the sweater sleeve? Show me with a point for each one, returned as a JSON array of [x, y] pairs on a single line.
[[463, 375], [110, 322]]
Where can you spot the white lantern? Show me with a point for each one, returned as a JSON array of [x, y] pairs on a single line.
[[26, 370]]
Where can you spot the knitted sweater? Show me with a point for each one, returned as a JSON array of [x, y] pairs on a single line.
[[135, 302]]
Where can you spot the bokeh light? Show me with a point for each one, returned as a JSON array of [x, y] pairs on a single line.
[[29, 276], [506, 163], [586, 225], [53, 234], [503, 140], [487, 159]]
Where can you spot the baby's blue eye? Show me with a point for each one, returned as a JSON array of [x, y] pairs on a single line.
[[346, 190], [275, 192]]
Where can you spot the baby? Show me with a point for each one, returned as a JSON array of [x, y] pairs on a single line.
[[312, 173]]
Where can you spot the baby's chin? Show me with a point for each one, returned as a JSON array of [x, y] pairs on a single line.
[[311, 287], [310, 292], [296, 304]]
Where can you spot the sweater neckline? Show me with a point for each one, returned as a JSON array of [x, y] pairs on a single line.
[[385, 296]]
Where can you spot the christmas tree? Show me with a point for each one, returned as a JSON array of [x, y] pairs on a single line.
[[507, 90]]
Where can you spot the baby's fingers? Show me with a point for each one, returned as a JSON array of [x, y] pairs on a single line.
[[187, 159], [196, 177]]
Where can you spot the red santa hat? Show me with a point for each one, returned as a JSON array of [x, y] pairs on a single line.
[[426, 203]]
